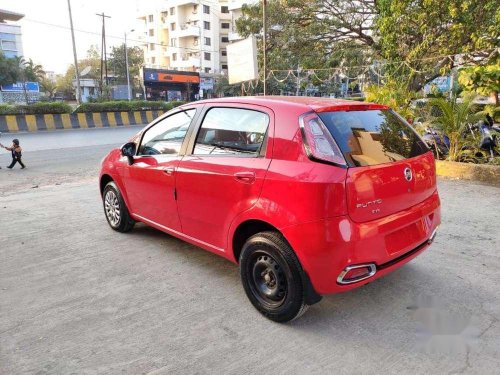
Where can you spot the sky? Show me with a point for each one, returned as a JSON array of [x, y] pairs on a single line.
[[51, 46]]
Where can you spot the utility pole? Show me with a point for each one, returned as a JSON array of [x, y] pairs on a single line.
[[77, 73], [129, 93], [264, 42], [104, 58]]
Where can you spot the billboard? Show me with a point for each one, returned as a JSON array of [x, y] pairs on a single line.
[[18, 87], [242, 61]]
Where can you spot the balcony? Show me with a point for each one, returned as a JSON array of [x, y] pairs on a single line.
[[186, 61], [186, 31]]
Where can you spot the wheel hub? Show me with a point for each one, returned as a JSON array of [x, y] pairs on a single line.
[[269, 279], [112, 207]]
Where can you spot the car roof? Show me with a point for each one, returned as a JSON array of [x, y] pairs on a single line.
[[307, 103]]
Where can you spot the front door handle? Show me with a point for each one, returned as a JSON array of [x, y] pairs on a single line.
[[169, 171], [246, 177]]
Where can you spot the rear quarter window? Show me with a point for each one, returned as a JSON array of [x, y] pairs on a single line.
[[373, 137], [232, 131]]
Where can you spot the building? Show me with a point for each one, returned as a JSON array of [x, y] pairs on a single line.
[[11, 43], [187, 35]]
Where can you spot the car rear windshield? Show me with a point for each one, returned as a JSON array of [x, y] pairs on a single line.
[[373, 137]]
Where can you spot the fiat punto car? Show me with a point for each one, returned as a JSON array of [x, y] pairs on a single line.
[[309, 196]]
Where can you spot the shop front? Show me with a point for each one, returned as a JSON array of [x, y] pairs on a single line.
[[171, 85]]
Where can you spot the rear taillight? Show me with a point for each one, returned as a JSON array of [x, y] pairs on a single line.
[[318, 141]]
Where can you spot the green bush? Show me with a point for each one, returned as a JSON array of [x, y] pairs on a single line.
[[126, 106], [34, 109]]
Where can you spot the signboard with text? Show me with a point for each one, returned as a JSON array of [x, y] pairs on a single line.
[[18, 87], [175, 76]]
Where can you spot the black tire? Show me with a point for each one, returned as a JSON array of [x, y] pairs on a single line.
[[272, 277], [115, 209]]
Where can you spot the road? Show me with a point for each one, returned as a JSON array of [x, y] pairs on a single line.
[[77, 297]]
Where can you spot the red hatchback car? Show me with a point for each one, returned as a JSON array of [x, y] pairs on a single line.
[[309, 196]]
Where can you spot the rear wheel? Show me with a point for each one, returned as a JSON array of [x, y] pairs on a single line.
[[272, 277], [115, 209]]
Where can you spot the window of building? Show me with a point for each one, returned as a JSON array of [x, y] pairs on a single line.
[[224, 66], [151, 32], [206, 9], [164, 16], [223, 52], [207, 70], [225, 39], [195, 8], [195, 41], [224, 25], [8, 45], [151, 46], [207, 55], [207, 41], [174, 56], [172, 26], [172, 11], [166, 136], [232, 132], [173, 42], [153, 60], [206, 25], [150, 18], [224, 9]]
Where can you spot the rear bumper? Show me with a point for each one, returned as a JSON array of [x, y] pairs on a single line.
[[325, 248]]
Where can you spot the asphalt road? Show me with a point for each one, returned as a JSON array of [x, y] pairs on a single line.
[[79, 298]]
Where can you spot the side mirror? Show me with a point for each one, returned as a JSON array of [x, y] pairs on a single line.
[[129, 150]]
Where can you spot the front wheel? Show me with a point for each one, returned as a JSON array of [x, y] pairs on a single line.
[[115, 209], [272, 277]]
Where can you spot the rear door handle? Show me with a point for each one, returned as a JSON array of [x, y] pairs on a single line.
[[246, 177], [169, 171]]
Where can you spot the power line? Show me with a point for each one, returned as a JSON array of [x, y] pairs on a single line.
[[114, 36]]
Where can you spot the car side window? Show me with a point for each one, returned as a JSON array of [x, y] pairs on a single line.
[[232, 131], [166, 137]]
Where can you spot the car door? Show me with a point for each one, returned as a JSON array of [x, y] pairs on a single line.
[[150, 179], [222, 173]]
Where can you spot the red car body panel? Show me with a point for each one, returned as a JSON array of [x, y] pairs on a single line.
[[332, 217]]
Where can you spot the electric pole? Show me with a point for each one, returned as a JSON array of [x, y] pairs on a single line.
[[77, 73], [264, 41], [104, 58]]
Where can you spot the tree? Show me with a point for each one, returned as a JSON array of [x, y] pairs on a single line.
[[452, 119], [48, 86], [32, 72], [484, 80], [9, 70], [410, 37], [135, 61]]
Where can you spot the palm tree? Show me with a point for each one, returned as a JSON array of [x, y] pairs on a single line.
[[453, 118], [34, 72]]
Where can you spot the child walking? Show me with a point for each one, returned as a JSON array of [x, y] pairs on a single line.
[[16, 151]]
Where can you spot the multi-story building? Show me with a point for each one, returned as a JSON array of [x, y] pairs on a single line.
[[11, 43], [189, 35]]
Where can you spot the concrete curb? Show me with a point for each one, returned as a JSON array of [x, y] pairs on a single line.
[[35, 123], [489, 174]]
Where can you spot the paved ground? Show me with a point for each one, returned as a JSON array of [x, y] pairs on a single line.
[[76, 297]]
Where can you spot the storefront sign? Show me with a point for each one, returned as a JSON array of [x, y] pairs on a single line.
[[177, 77]]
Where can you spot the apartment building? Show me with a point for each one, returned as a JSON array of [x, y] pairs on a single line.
[[187, 35], [10, 34]]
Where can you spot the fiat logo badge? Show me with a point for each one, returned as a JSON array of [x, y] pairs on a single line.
[[408, 174]]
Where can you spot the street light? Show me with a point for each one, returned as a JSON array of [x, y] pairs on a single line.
[[129, 93]]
